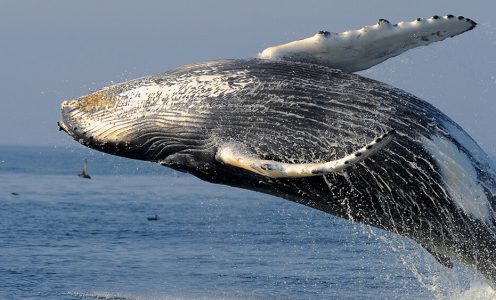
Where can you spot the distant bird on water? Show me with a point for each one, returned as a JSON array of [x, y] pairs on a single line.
[[84, 172], [154, 218]]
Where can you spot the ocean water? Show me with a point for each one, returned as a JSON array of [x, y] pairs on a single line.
[[63, 237]]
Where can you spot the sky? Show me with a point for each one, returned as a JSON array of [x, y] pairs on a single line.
[[56, 50]]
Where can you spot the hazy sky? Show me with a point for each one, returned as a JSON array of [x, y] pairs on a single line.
[[56, 50]]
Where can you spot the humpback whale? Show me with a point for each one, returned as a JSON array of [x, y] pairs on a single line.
[[295, 122]]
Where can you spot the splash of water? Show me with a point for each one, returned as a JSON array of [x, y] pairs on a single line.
[[442, 283]]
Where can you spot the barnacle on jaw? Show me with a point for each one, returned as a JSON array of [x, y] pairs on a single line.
[[97, 101]]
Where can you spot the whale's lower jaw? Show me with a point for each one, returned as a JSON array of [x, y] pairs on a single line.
[[128, 149], [94, 127]]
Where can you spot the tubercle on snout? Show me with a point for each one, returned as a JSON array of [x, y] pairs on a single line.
[[96, 101], [69, 104], [90, 103]]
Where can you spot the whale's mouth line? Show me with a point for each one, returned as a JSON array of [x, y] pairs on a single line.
[[63, 127], [68, 108], [67, 123], [79, 134]]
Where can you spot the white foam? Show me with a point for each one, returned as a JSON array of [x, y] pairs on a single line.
[[478, 290]]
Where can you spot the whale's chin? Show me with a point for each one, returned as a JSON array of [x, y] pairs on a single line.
[[94, 128], [89, 139], [102, 132]]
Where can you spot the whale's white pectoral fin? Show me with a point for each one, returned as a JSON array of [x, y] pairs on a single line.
[[356, 50], [270, 168]]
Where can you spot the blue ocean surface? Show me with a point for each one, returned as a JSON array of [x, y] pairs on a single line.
[[63, 237]]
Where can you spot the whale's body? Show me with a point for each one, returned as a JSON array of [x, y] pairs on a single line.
[[432, 183]]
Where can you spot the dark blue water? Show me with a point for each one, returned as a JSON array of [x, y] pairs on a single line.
[[63, 237]]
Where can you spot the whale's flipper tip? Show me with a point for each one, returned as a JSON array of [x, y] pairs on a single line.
[[356, 50]]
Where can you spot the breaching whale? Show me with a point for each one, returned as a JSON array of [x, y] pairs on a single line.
[[296, 123]]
